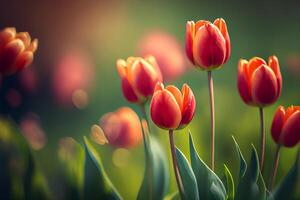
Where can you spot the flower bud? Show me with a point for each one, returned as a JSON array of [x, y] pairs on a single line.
[[139, 77], [122, 128], [259, 83], [285, 128], [16, 50], [207, 44], [171, 108]]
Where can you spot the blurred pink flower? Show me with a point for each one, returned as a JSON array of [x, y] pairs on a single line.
[[73, 72], [33, 132], [167, 51]]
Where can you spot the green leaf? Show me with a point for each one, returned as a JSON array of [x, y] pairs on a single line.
[[156, 176], [71, 155], [189, 182], [97, 185], [209, 184], [172, 196], [243, 164], [229, 184], [20, 177], [288, 186], [251, 185]]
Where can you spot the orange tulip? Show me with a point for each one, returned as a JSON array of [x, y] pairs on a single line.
[[16, 50], [139, 77], [259, 83], [122, 128], [285, 128], [207, 44], [171, 108]]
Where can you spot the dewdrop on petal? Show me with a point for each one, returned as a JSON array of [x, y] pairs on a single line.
[[97, 135]]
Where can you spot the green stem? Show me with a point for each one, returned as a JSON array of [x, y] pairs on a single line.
[[144, 114], [275, 168], [212, 118], [175, 164], [262, 138]]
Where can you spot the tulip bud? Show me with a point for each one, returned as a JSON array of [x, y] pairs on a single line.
[[207, 44], [285, 128], [259, 83], [122, 128], [16, 50], [171, 108], [139, 77]]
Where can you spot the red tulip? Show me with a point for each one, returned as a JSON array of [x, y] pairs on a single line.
[[207, 44], [139, 77], [171, 109], [16, 50], [259, 83], [286, 126], [122, 128]]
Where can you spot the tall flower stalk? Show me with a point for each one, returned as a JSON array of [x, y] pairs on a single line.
[[259, 84], [262, 138], [208, 47], [172, 109], [212, 118]]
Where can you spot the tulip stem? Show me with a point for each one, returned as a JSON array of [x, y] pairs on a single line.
[[262, 138], [212, 114], [174, 159], [144, 114], [275, 167]]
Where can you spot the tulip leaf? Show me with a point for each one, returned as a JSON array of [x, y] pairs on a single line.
[[229, 184], [243, 164], [189, 182], [19, 175], [172, 196], [209, 184], [156, 176], [288, 186], [97, 185], [71, 155], [251, 185]]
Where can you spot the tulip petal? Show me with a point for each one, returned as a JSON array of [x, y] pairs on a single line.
[[144, 78], [33, 46], [274, 64], [277, 123], [158, 87], [25, 37], [177, 95], [131, 131], [221, 24], [6, 36], [199, 24], [9, 55], [243, 82], [23, 60], [121, 67], [164, 109], [264, 86], [128, 91], [152, 61], [189, 37], [253, 64], [291, 130], [209, 47], [189, 106]]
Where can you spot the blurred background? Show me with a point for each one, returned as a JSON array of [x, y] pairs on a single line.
[[73, 80]]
